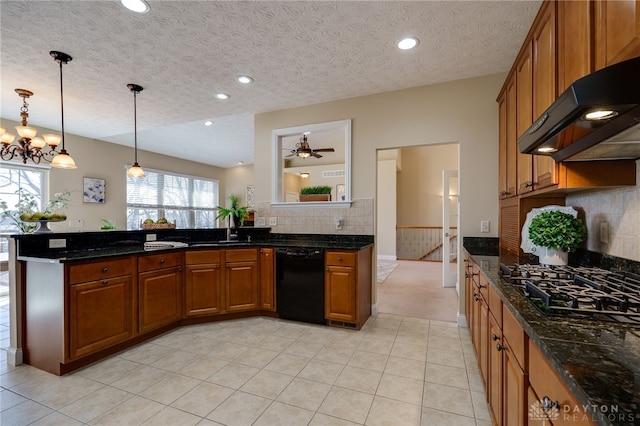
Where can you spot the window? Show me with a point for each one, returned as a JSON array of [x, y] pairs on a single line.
[[188, 201], [14, 177]]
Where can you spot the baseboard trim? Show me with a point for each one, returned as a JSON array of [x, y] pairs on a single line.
[[374, 309], [462, 321], [14, 356], [387, 257]]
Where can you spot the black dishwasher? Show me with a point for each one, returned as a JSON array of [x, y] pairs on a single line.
[[300, 284]]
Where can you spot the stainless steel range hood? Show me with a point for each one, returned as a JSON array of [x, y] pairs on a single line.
[[596, 118]]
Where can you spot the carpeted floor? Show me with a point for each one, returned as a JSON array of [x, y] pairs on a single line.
[[414, 289]]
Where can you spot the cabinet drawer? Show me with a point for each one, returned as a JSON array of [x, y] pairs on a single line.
[[515, 335], [341, 258], [99, 270], [201, 257], [241, 255], [159, 261]]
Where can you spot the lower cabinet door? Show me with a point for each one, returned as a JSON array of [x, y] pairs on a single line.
[[159, 296], [514, 389], [340, 293], [100, 314], [202, 290], [241, 286]]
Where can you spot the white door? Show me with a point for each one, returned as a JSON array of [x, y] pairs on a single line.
[[449, 219]]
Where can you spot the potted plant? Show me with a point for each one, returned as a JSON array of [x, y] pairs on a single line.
[[235, 213], [315, 193], [556, 234]]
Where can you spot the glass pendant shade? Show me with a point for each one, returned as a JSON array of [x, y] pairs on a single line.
[[26, 131], [63, 161], [51, 139], [3, 130], [135, 171], [7, 138], [37, 143]]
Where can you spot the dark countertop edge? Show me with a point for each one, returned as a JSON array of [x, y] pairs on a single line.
[[92, 254], [545, 344]]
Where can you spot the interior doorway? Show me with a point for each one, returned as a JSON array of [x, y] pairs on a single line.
[[409, 222]]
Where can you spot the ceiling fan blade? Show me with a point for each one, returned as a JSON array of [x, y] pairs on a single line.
[[324, 150], [316, 155], [290, 155]]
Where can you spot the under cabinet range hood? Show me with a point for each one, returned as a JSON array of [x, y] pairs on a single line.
[[596, 118]]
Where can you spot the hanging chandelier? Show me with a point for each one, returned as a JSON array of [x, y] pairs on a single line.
[[29, 146]]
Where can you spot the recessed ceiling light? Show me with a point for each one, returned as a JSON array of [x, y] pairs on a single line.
[[208, 123], [244, 79], [240, 162], [407, 43], [222, 96], [139, 6]]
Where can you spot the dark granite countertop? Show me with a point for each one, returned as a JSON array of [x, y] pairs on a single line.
[[598, 361], [84, 247]]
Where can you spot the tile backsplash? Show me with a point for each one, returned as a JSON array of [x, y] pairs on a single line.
[[617, 210], [356, 220]]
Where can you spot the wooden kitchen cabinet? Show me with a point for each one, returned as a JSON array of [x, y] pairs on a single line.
[[267, 279], [347, 287], [617, 31], [494, 388], [101, 309], [203, 283], [508, 148], [575, 46], [241, 280], [159, 290], [514, 366]]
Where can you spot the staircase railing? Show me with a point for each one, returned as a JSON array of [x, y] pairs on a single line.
[[423, 243]]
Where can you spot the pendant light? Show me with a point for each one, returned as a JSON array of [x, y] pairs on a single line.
[[135, 171], [63, 160]]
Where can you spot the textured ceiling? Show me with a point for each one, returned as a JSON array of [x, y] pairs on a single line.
[[181, 52]]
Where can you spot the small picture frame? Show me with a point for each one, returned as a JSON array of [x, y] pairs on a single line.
[[249, 195], [93, 190], [340, 192]]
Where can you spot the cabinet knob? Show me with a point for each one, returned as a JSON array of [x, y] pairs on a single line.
[[162, 261], [327, 269], [105, 282], [494, 337], [528, 184], [339, 259], [548, 404], [180, 269], [475, 296], [482, 286], [499, 347], [105, 269]]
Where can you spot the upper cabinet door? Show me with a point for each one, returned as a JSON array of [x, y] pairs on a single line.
[[617, 30], [575, 47], [524, 103]]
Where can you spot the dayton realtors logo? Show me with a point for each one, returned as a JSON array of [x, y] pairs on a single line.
[[546, 410]]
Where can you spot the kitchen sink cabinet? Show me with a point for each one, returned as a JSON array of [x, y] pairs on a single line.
[[617, 31], [241, 280], [267, 279], [159, 290], [347, 284], [203, 283]]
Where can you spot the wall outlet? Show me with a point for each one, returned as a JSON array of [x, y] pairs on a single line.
[[261, 221], [273, 221], [604, 232], [76, 223], [339, 223], [484, 226], [151, 237], [57, 243]]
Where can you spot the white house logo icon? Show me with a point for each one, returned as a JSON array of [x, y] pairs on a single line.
[[543, 411]]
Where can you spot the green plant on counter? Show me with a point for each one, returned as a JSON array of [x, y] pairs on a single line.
[[238, 213], [558, 230], [320, 189], [27, 209]]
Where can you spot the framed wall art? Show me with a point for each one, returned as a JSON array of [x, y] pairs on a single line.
[[93, 190]]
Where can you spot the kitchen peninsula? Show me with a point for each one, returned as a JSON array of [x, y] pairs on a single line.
[[89, 295]]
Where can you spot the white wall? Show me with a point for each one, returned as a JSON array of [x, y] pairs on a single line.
[[107, 161], [236, 180], [386, 209]]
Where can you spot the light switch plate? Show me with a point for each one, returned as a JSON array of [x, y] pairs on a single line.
[[484, 226], [273, 221], [261, 221], [151, 237]]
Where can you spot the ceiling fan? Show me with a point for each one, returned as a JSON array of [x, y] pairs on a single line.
[[303, 149]]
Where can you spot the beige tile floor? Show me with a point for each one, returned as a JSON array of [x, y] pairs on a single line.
[[260, 371]]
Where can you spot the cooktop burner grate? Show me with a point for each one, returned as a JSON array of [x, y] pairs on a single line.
[[581, 292]]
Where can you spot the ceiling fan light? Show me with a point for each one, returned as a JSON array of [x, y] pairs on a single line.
[[63, 161]]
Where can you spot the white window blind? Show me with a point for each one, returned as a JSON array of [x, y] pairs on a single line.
[[188, 201]]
